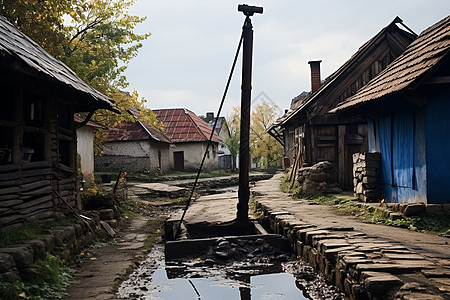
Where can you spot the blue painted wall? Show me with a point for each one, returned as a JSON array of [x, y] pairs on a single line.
[[401, 137], [438, 148]]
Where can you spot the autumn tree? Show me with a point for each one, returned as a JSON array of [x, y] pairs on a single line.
[[95, 38], [232, 142], [263, 146]]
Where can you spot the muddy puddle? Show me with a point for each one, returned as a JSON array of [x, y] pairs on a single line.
[[202, 279]]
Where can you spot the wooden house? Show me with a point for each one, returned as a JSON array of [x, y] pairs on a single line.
[[315, 135], [189, 135], [407, 108], [39, 96], [135, 147]]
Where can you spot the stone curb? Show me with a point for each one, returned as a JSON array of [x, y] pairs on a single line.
[[363, 267]]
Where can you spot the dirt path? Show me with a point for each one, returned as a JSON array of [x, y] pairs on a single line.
[[102, 269]]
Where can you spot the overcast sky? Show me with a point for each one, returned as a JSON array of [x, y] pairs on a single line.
[[186, 61]]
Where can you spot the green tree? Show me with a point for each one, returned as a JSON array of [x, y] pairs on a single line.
[[95, 38], [263, 146], [232, 142]]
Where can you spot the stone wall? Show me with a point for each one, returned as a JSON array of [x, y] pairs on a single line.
[[318, 179], [17, 262], [367, 176], [115, 163]]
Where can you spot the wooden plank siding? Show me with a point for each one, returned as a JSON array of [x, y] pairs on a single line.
[[333, 137]]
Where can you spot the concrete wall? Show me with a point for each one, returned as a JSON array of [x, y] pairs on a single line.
[[85, 150], [193, 155]]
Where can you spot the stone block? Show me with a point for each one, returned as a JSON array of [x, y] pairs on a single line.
[[23, 255], [414, 209], [382, 284], [395, 216], [106, 214], [433, 209], [6, 262], [359, 188], [38, 248], [373, 156], [10, 276]]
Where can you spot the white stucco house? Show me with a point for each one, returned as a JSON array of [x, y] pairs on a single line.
[[85, 149], [189, 135], [135, 147]]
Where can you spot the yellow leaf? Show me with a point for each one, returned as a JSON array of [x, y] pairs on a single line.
[[73, 14]]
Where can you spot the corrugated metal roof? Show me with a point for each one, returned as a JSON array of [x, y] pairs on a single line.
[[17, 45], [409, 69], [182, 125]]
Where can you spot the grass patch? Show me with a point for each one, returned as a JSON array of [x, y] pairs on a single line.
[[52, 279], [286, 186], [350, 205], [32, 230]]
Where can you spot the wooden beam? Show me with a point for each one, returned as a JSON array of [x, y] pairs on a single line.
[[437, 80]]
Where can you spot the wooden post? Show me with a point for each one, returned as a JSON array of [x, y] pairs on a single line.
[[244, 146], [341, 155], [18, 130]]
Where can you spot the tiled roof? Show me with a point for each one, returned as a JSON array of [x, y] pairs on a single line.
[[409, 69], [135, 131], [182, 125], [14, 44]]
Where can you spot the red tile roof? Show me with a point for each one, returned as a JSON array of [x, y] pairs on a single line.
[[182, 125], [408, 70]]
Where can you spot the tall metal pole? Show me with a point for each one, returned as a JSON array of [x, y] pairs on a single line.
[[246, 94]]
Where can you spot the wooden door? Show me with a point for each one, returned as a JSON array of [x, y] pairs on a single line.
[[178, 161]]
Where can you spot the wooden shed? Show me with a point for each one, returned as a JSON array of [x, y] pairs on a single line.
[[39, 96], [315, 135], [407, 107]]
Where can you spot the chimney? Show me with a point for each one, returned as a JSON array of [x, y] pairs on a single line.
[[209, 116], [315, 75]]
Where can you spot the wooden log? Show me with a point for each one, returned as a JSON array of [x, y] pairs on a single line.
[[9, 176], [34, 185], [41, 215], [10, 203], [13, 182], [44, 190], [37, 165], [5, 211], [7, 220], [33, 202], [38, 172], [9, 168], [67, 180], [36, 178], [32, 209], [10, 190]]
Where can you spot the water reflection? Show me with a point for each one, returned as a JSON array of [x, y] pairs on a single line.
[[267, 286]]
